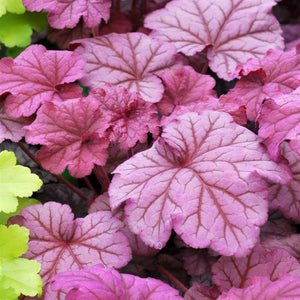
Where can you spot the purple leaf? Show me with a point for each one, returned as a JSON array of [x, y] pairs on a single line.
[[287, 197], [276, 74], [231, 31], [279, 121], [60, 243], [131, 117], [236, 272], [34, 77], [97, 282], [73, 135], [190, 180], [66, 13], [198, 291], [113, 59], [287, 288], [11, 128]]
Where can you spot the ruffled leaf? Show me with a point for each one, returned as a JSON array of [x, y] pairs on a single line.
[[66, 13], [232, 31], [191, 179], [124, 69]]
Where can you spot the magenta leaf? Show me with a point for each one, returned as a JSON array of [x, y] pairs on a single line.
[[287, 288], [232, 32], [290, 243], [34, 77], [124, 69], [198, 291], [73, 135], [66, 13], [11, 128], [277, 73], [131, 117], [287, 197], [201, 178], [236, 272], [185, 87], [60, 243], [279, 120], [97, 282]]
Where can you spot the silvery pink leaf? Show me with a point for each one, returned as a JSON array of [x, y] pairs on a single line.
[[35, 76], [279, 120], [232, 31], [97, 282], [277, 73], [287, 197], [290, 243], [237, 272], [12, 128], [66, 13], [185, 87], [61, 243], [198, 291], [131, 117], [113, 59], [286, 288], [190, 180], [73, 135]]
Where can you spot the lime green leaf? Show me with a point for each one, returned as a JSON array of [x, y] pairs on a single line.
[[13, 241], [15, 181], [21, 274], [13, 6], [16, 30], [23, 202], [17, 275], [14, 51]]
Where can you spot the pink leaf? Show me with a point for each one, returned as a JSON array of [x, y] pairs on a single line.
[[113, 59], [276, 74], [185, 87], [287, 288], [198, 291], [191, 179], [60, 243], [290, 243], [279, 121], [287, 197], [131, 117], [232, 31], [11, 128], [73, 135], [236, 272], [35, 76], [97, 282], [66, 13]]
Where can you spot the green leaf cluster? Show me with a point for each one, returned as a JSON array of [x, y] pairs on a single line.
[[17, 24], [17, 275]]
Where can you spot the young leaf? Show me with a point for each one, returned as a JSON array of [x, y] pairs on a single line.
[[73, 135], [200, 179], [18, 274], [35, 75], [67, 13], [279, 121], [97, 282], [236, 272], [60, 243], [232, 31], [131, 117], [124, 69], [277, 73], [15, 181]]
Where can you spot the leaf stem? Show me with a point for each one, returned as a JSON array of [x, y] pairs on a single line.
[[129, 153], [171, 277], [95, 31], [88, 183], [117, 6], [102, 177], [59, 177]]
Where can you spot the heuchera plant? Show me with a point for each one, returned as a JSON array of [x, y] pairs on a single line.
[[167, 135]]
